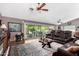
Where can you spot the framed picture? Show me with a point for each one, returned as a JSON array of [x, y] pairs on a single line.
[[14, 27]]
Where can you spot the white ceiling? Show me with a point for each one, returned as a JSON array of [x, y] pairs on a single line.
[[63, 11]]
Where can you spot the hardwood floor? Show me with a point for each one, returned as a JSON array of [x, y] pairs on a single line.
[[13, 43]]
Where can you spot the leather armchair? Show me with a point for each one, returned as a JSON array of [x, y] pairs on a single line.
[[61, 52]]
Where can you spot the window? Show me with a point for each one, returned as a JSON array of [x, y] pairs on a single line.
[[70, 28]]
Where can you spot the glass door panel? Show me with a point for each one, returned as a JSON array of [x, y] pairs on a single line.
[[34, 31]]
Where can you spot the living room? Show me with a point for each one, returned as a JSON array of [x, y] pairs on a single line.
[[39, 29]]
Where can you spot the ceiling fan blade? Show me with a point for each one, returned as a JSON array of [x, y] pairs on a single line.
[[41, 6], [44, 9]]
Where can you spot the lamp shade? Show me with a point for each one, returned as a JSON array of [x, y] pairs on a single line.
[[3, 26]]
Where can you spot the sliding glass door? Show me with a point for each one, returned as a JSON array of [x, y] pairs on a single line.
[[35, 31]]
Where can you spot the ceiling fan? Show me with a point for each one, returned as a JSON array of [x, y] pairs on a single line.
[[40, 7]]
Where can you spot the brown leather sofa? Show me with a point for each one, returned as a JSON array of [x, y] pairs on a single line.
[[60, 36]]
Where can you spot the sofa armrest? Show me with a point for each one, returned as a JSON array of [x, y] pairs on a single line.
[[61, 52]]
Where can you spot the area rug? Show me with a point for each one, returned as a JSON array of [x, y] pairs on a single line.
[[33, 48]]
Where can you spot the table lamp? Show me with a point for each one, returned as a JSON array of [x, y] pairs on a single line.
[[3, 26]]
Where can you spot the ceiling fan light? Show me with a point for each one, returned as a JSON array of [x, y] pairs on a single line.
[[31, 9]]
